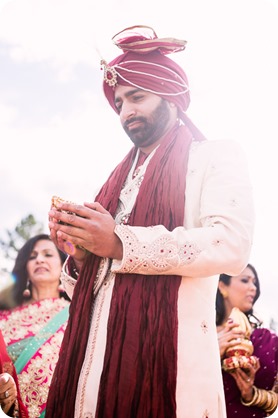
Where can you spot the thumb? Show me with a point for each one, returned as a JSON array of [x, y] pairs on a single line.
[[4, 378]]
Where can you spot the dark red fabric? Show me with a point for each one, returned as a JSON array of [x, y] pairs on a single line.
[[140, 365], [6, 366]]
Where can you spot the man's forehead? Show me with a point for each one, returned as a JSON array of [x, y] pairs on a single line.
[[125, 91]]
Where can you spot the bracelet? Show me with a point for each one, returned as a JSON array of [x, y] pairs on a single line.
[[253, 400], [265, 399]]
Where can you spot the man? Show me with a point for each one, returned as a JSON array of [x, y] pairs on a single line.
[[145, 256]]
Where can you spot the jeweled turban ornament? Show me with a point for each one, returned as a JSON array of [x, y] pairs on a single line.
[[110, 74]]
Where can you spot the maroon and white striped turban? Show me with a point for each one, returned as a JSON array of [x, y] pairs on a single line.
[[145, 66]]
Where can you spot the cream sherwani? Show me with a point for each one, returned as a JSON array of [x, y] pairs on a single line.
[[216, 238]]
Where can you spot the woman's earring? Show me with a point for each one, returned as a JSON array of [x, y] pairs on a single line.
[[224, 294], [26, 291]]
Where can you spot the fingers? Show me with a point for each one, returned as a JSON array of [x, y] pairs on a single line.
[[4, 378], [8, 392], [96, 207]]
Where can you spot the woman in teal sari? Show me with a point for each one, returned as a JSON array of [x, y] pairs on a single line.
[[34, 327]]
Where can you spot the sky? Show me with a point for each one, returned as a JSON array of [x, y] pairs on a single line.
[[59, 136]]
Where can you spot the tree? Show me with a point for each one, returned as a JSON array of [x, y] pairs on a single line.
[[15, 239]]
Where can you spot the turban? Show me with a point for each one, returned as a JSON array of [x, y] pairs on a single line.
[[145, 66]]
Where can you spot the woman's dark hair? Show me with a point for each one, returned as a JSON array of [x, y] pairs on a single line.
[[19, 272], [220, 306]]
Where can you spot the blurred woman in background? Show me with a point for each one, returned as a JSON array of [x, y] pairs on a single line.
[[250, 391], [33, 330]]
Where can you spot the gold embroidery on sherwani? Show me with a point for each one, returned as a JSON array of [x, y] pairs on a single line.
[[162, 255]]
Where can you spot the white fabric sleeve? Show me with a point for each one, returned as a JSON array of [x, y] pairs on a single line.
[[219, 220]]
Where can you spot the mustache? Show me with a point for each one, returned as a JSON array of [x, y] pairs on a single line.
[[131, 120]]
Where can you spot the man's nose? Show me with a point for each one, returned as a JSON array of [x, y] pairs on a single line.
[[127, 111]]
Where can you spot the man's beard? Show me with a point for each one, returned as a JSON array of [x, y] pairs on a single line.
[[151, 128]]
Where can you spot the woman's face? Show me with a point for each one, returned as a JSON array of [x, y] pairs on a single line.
[[241, 291], [44, 264]]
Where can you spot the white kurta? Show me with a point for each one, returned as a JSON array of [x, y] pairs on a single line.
[[216, 238]]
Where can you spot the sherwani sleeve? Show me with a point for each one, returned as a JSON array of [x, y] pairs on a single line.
[[219, 220]]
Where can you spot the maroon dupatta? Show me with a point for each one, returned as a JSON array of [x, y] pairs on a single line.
[[140, 364]]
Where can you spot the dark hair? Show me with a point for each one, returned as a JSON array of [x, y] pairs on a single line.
[[220, 306], [19, 272]]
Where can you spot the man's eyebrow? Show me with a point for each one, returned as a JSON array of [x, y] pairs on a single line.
[[127, 94]]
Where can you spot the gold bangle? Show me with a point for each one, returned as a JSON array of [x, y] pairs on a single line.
[[265, 399], [253, 400], [262, 398], [273, 401]]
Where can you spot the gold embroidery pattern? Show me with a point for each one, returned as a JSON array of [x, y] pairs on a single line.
[[92, 343], [25, 322], [161, 255], [34, 382], [28, 321]]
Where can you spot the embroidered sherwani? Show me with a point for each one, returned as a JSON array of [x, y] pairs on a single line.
[[216, 238]]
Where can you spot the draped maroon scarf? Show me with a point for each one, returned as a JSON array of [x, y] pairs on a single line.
[[140, 365]]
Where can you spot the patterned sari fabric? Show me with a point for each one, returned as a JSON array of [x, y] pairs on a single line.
[[33, 334], [266, 349]]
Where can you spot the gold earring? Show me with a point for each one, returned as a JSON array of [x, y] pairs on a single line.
[[26, 291], [224, 294]]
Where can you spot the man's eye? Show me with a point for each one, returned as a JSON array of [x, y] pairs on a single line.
[[137, 98]]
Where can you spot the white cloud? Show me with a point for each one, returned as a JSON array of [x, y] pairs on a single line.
[[7, 114]]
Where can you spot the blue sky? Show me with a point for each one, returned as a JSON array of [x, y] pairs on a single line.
[[59, 136]]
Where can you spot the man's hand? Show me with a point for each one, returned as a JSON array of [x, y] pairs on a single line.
[[89, 227]]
